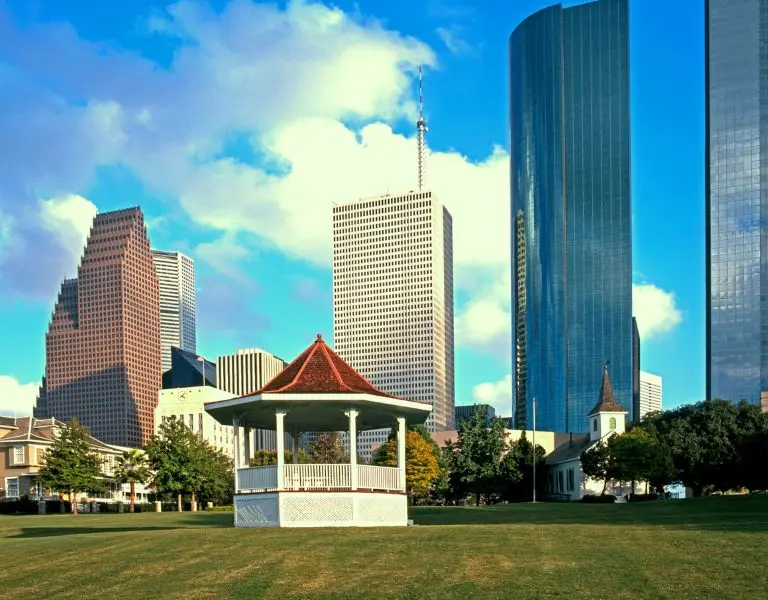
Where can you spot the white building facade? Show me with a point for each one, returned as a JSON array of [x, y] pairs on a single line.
[[243, 373], [393, 300], [176, 275], [188, 405], [650, 394]]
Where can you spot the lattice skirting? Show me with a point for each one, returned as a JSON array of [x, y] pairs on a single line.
[[256, 510], [321, 509]]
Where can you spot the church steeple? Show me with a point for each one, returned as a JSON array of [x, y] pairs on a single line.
[[607, 415]]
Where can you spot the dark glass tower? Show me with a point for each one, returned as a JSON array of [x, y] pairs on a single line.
[[570, 171], [737, 199]]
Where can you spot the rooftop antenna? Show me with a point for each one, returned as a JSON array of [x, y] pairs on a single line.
[[421, 126]]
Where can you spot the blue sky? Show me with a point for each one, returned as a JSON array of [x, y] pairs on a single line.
[[235, 125]]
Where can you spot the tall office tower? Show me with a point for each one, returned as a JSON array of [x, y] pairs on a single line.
[[650, 394], [635, 369], [103, 342], [245, 372], [570, 187], [736, 49], [393, 299], [176, 275]]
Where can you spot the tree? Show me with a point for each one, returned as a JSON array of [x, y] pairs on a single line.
[[263, 458], [327, 449], [131, 468], [596, 463], [519, 486], [177, 460], [218, 480], [421, 464], [633, 455], [71, 465], [478, 457]]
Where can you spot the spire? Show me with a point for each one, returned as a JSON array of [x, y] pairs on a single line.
[[421, 129], [606, 402]]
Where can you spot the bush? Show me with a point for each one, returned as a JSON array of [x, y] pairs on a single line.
[[643, 497], [22, 506], [601, 499], [227, 508]]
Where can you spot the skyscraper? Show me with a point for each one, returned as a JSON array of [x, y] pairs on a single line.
[[737, 199], [571, 230], [393, 299], [245, 372], [176, 276], [103, 342], [635, 370], [650, 394]]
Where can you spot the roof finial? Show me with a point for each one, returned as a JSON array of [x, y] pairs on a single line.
[[605, 366], [319, 337], [421, 129]]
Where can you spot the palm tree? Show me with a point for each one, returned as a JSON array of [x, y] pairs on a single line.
[[131, 468]]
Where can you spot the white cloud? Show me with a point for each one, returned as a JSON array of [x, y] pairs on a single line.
[[69, 218], [655, 309], [16, 399], [224, 255], [498, 394], [452, 39]]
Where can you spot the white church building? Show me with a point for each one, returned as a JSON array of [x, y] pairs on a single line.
[[565, 478]]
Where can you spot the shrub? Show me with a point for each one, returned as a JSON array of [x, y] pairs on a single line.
[[227, 508], [601, 499], [643, 497]]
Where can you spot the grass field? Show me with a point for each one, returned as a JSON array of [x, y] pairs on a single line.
[[709, 548]]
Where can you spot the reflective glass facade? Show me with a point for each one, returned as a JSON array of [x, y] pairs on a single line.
[[737, 207], [570, 171]]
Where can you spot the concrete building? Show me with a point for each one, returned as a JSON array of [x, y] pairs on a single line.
[[176, 277], [188, 405], [571, 210], [393, 300], [650, 394], [243, 373], [103, 363]]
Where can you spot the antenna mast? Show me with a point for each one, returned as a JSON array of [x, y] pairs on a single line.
[[421, 129]]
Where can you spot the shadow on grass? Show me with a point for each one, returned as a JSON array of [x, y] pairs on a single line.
[[727, 513], [113, 524]]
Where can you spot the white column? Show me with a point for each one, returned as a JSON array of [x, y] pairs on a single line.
[[401, 451], [247, 453], [236, 432], [352, 414], [280, 443]]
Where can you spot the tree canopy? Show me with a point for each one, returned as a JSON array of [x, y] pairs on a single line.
[[72, 465]]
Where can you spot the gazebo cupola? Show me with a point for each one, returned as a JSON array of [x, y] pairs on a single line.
[[318, 392]]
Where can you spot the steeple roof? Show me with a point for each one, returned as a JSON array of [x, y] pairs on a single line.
[[607, 401], [319, 370]]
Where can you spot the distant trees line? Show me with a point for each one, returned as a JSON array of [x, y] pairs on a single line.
[[714, 445]]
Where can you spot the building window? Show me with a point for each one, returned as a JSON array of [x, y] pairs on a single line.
[[612, 423], [594, 425], [18, 455], [11, 487], [571, 484]]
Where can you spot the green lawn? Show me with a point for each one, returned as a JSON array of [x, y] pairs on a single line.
[[709, 548]]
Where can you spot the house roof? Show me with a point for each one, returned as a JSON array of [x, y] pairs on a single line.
[[30, 429], [606, 402], [319, 370], [570, 450]]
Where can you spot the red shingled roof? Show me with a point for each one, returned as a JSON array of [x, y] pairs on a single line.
[[319, 370]]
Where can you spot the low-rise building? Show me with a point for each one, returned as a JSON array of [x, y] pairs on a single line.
[[23, 443], [188, 405]]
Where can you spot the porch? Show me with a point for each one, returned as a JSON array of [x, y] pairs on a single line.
[[316, 477]]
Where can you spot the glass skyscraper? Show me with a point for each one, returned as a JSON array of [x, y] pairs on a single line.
[[571, 211], [737, 199]]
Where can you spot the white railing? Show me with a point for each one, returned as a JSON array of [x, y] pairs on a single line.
[[257, 478], [377, 478], [317, 477]]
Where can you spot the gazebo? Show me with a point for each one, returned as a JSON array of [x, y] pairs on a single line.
[[318, 392]]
